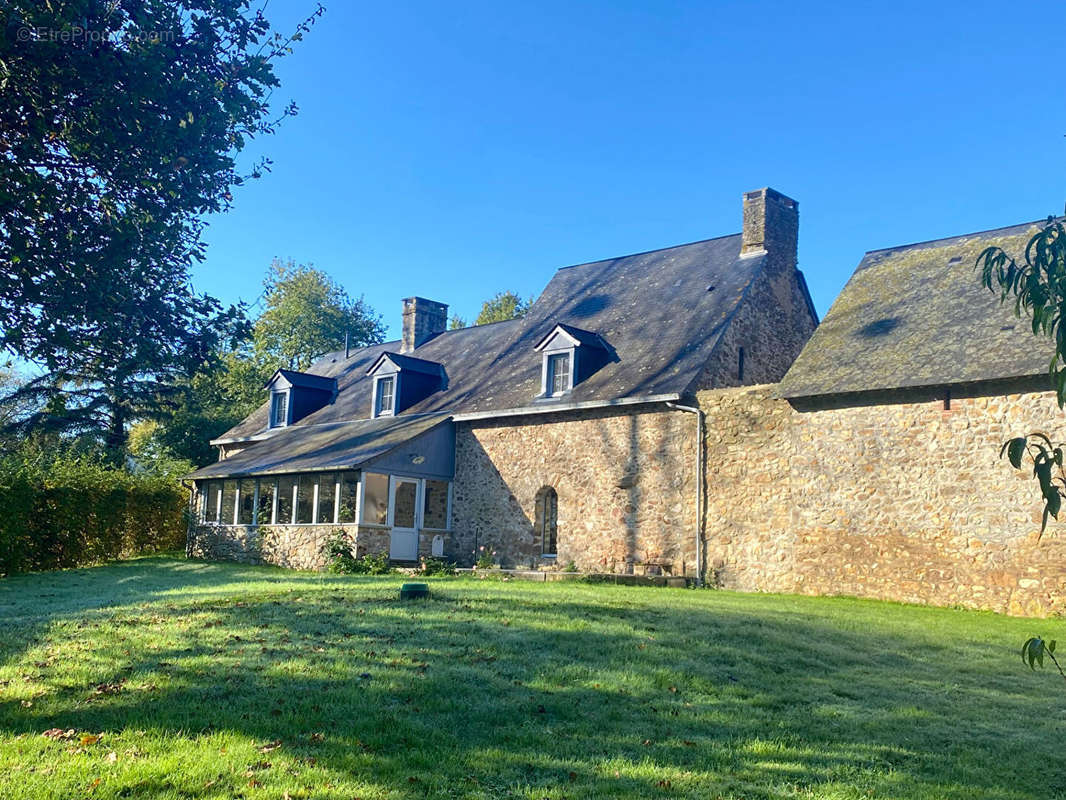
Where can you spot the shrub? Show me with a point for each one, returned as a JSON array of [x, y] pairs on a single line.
[[435, 566], [341, 560], [486, 559], [63, 510]]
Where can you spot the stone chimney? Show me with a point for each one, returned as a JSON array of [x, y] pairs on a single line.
[[771, 226], [422, 320]]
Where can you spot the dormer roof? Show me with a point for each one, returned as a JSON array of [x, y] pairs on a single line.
[[303, 380], [407, 363], [576, 337]]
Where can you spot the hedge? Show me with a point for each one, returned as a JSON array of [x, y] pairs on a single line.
[[73, 512]]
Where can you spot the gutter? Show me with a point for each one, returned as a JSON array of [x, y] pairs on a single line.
[[699, 486], [551, 409]]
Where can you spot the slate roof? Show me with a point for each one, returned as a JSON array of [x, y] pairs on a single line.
[[915, 316], [657, 312], [323, 447]]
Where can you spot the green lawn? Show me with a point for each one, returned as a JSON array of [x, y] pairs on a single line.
[[221, 681]]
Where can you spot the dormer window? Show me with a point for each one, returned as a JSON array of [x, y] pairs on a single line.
[[279, 409], [384, 396], [295, 395], [570, 355], [401, 381], [559, 376]]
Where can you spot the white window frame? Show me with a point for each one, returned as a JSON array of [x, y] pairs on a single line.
[[288, 408], [391, 410], [546, 377]]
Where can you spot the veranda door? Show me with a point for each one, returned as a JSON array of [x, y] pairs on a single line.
[[403, 496]]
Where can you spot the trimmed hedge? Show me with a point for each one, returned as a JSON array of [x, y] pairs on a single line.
[[73, 511]]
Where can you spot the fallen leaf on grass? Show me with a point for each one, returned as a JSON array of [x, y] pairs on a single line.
[[89, 738], [58, 733], [112, 757], [270, 746]]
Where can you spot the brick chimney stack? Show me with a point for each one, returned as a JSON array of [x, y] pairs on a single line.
[[422, 320], [771, 226]]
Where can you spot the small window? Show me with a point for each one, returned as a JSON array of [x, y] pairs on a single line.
[[558, 373], [349, 496], [548, 520], [384, 394], [286, 489], [327, 493], [229, 502], [264, 512], [435, 505], [305, 500], [245, 502], [213, 496], [279, 409], [375, 499]]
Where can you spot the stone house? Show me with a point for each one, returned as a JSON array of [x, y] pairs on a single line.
[[679, 411], [567, 437]]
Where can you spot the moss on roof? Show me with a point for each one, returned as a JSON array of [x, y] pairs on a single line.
[[917, 315]]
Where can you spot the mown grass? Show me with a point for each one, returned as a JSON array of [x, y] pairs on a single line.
[[222, 681]]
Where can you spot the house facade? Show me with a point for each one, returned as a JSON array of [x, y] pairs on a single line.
[[565, 438]]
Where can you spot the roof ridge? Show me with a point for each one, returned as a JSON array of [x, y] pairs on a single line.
[[648, 252], [962, 235]]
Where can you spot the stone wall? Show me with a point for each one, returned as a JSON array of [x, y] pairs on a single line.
[[294, 546], [772, 324], [625, 480], [902, 500]]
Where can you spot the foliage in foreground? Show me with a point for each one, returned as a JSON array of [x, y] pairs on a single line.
[[64, 509], [1037, 287], [172, 679], [341, 561], [121, 124]]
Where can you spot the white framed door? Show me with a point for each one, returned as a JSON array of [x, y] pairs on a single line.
[[403, 518]]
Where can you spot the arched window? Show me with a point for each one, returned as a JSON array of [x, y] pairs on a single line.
[[548, 520]]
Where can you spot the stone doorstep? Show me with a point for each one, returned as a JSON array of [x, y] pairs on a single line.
[[596, 577]]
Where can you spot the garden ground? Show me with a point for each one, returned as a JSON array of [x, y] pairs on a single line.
[[167, 678]]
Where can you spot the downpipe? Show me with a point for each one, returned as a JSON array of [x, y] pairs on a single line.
[[699, 485]]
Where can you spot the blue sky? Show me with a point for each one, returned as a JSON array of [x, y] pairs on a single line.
[[453, 150]]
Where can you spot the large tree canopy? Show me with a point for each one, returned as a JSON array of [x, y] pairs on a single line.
[[120, 124], [307, 314]]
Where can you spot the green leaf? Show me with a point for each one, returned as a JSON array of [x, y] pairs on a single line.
[[1015, 450], [1051, 647]]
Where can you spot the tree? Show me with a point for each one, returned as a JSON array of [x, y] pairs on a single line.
[[120, 124], [308, 314], [503, 306]]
